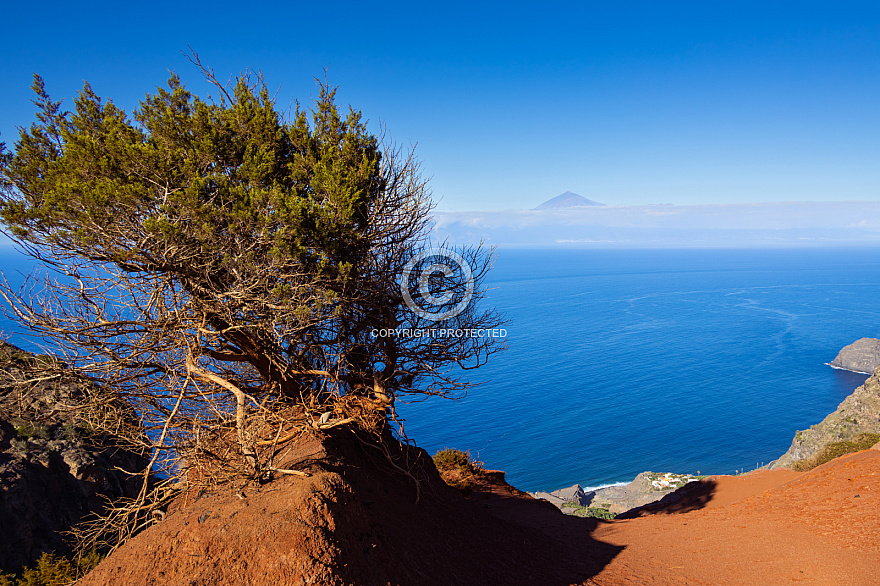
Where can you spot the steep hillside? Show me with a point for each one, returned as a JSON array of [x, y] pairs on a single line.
[[766, 527], [858, 413], [357, 523], [356, 518]]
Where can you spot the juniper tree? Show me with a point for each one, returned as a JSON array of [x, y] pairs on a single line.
[[212, 260]]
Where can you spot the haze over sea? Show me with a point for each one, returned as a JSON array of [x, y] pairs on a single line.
[[622, 361]]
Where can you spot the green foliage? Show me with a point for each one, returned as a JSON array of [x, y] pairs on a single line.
[[834, 450], [209, 256], [577, 510], [24, 431], [274, 245], [27, 430], [52, 570], [188, 171], [450, 459], [69, 432]]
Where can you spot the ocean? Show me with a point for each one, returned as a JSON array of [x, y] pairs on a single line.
[[621, 361]]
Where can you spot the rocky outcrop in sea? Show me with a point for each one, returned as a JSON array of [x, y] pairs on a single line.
[[54, 471], [860, 356]]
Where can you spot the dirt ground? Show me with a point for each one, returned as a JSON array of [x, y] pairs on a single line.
[[767, 527], [762, 528], [354, 522]]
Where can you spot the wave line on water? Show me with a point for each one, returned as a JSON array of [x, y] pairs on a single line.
[[601, 486], [847, 369]]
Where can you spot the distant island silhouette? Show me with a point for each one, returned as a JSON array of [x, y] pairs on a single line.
[[567, 200]]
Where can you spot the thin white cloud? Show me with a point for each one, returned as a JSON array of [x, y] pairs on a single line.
[[719, 224]]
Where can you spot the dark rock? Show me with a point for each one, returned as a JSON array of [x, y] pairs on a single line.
[[860, 356], [572, 494], [53, 473]]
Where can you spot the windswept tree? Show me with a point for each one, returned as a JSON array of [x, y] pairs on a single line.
[[216, 263]]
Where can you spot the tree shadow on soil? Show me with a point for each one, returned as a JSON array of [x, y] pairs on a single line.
[[690, 497], [566, 552], [577, 555], [495, 535]]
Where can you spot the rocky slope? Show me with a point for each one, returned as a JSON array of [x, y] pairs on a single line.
[[860, 356], [53, 471], [858, 413]]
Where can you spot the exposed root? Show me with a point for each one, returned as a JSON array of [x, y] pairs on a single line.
[[285, 471]]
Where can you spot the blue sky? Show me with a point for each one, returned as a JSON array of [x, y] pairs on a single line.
[[513, 103]]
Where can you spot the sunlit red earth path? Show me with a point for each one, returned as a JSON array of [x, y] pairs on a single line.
[[767, 527]]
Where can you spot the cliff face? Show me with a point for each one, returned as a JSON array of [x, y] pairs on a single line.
[[53, 471], [860, 356], [858, 413]]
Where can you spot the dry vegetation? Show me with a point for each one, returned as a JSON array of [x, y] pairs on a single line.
[[834, 450]]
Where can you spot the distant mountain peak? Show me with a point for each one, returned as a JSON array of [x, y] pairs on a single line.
[[567, 200]]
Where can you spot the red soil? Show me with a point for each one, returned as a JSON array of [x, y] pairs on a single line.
[[763, 528], [353, 522], [769, 527]]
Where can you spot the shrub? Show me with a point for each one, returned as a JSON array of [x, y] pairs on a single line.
[[450, 459], [458, 469], [24, 431], [833, 450], [52, 570], [577, 510], [68, 432]]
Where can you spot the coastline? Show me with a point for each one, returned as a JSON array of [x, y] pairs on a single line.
[[835, 367], [598, 486], [614, 499], [622, 491]]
